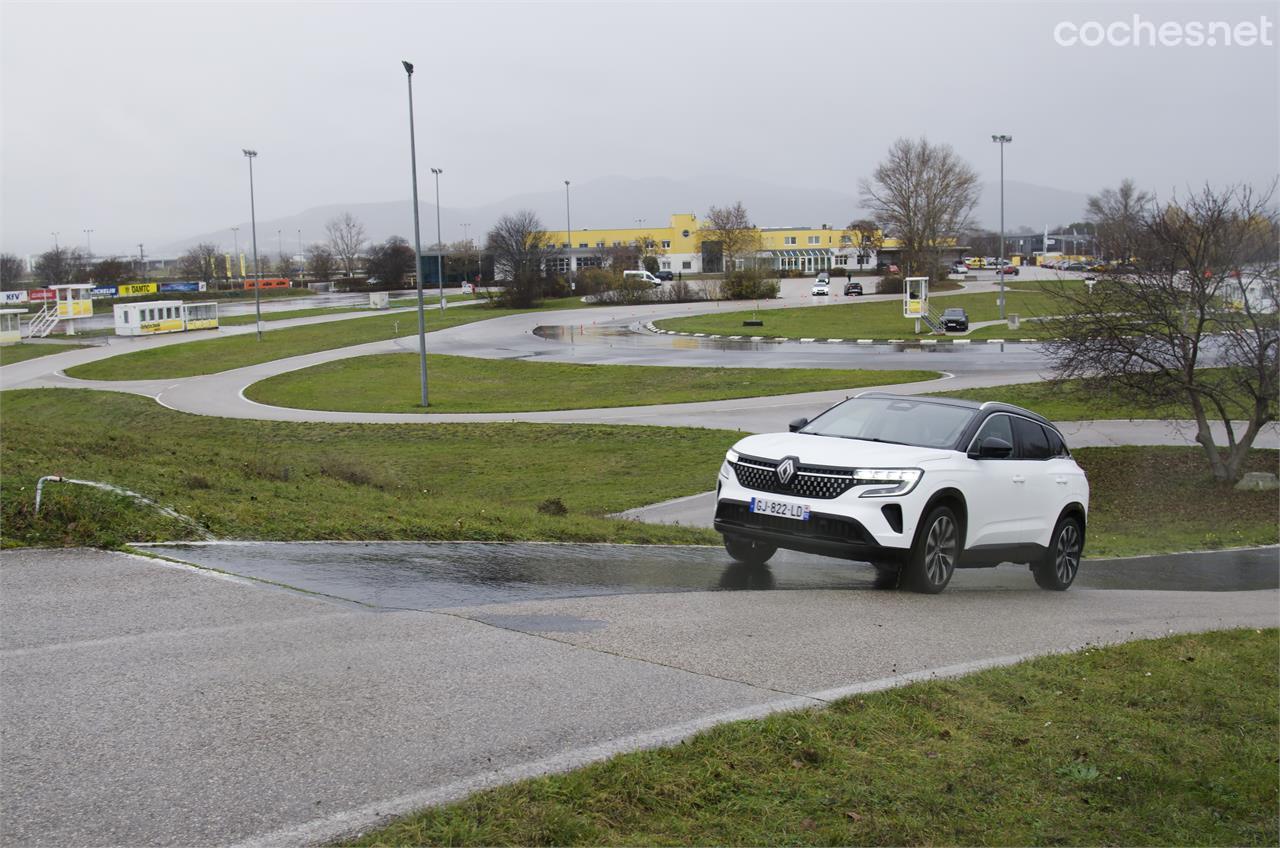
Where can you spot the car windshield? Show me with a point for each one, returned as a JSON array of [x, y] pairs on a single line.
[[900, 421], [953, 313]]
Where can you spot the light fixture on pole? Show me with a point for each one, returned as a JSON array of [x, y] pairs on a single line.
[[439, 241], [568, 236], [257, 270], [417, 240], [1001, 140]]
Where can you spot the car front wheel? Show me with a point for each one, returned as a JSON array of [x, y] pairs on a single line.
[[749, 551], [1058, 568], [934, 557]]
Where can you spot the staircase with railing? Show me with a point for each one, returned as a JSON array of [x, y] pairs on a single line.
[[43, 322], [933, 320]]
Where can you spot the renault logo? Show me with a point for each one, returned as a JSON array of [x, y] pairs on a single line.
[[786, 470]]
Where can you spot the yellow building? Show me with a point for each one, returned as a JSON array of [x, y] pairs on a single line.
[[680, 248]]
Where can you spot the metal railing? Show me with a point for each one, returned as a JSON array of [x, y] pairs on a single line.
[[43, 322]]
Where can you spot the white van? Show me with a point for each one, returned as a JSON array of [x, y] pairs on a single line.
[[641, 277]]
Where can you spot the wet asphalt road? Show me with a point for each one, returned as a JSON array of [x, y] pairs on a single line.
[[436, 575]]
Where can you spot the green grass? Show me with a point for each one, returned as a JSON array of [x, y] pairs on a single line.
[[1079, 400], [865, 320], [213, 355], [389, 383], [23, 351], [1146, 500], [236, 320], [277, 480], [1162, 742]]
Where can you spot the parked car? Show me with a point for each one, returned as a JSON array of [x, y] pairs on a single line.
[[959, 268], [955, 318], [1009, 270], [915, 486], [973, 262], [665, 276], [853, 288], [640, 276], [821, 288], [823, 277], [1075, 266]]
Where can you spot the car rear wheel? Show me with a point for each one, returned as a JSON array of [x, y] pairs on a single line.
[[936, 552], [749, 551], [1058, 568]]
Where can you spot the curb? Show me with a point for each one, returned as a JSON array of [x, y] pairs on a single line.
[[746, 338]]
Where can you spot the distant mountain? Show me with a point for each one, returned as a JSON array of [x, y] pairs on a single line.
[[623, 201]]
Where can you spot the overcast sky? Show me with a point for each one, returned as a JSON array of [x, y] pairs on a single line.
[[129, 118]]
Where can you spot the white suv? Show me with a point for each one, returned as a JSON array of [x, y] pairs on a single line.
[[913, 485]]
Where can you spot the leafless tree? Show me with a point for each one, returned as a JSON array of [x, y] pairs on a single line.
[[60, 266], [346, 237], [391, 262], [923, 194], [321, 263], [866, 236], [1195, 321], [199, 262], [111, 272], [1116, 215], [12, 270], [521, 249], [730, 228]]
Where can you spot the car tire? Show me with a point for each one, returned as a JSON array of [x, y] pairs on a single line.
[[935, 554], [1057, 569], [749, 551]]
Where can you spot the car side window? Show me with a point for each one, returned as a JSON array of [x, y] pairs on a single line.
[[1057, 447], [1032, 442], [998, 426]]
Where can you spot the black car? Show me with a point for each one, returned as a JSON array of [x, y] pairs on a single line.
[[955, 318], [665, 276], [853, 288]]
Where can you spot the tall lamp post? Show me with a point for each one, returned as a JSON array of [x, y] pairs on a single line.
[[257, 271], [88, 242], [417, 240], [55, 241], [568, 236], [439, 241], [1001, 140], [235, 240]]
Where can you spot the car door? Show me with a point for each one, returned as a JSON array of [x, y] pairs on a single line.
[[998, 512], [1036, 478]]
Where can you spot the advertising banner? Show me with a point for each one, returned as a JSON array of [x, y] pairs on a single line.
[[14, 297]]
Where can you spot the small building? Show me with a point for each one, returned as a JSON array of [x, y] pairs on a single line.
[[10, 326], [164, 316]]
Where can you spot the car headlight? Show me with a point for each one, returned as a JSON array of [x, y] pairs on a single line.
[[888, 481], [726, 471]]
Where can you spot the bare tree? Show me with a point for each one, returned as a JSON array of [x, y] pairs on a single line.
[[867, 237], [730, 229], [391, 262], [199, 262], [1202, 293], [521, 249], [60, 266], [346, 237], [1116, 215], [923, 194], [111, 272], [321, 263], [12, 270]]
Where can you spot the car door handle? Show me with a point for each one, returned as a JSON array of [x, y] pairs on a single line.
[[1018, 478], [1062, 481]]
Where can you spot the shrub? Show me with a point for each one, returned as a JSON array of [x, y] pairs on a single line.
[[839, 271], [594, 281], [553, 506], [651, 264], [891, 284], [748, 285]]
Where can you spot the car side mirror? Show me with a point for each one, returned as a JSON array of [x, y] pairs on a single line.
[[796, 425], [994, 447]]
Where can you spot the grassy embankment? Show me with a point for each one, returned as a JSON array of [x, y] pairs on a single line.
[[23, 351], [1162, 742], [389, 383], [279, 480]]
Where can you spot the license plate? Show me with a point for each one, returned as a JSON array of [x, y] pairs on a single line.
[[800, 512]]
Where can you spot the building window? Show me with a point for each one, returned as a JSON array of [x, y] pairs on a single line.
[[666, 266], [686, 264], [815, 239], [666, 244], [583, 245], [599, 244], [617, 244], [846, 239], [789, 240]]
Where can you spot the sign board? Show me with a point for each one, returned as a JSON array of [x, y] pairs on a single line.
[[41, 296], [102, 291], [135, 289], [915, 297], [14, 297], [181, 287]]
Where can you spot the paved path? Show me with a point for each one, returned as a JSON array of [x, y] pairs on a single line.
[[146, 704]]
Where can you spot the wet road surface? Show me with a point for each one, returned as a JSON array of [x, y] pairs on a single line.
[[436, 575]]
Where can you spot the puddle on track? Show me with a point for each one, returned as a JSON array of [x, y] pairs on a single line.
[[431, 575]]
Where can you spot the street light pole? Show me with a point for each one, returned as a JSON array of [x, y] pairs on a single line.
[[439, 241], [568, 236], [1001, 140], [417, 240], [55, 241], [235, 239], [88, 242], [302, 260], [257, 270]]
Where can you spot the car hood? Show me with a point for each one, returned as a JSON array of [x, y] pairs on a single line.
[[833, 451]]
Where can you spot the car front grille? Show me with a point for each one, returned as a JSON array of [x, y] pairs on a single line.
[[828, 528], [810, 481]]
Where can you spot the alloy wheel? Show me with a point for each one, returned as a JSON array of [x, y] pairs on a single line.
[[940, 550], [1067, 556]]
